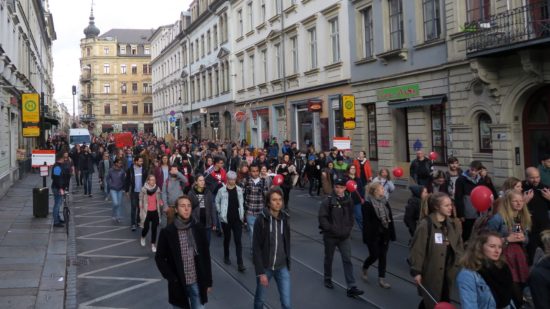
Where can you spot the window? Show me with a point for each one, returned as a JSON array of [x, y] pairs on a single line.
[[241, 70], [122, 50], [215, 36], [184, 55], [202, 46], [197, 50], [396, 24], [146, 88], [251, 70], [372, 134], [88, 51], [106, 51], [133, 49], [334, 40], [107, 109], [278, 61], [134, 88], [147, 108], [432, 22], [209, 84], [262, 10], [192, 53], [106, 68], [439, 132], [204, 86], [264, 64], [240, 29], [277, 6], [485, 138], [368, 47], [294, 51], [208, 42], [192, 90], [122, 69], [312, 33], [250, 16], [135, 108], [107, 88], [147, 51], [124, 110], [123, 88], [134, 69], [198, 88], [477, 10]]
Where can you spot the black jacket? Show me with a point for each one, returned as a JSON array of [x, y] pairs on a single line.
[[336, 216], [412, 210], [539, 283], [129, 186], [170, 264], [372, 226], [211, 213], [58, 176], [261, 240], [86, 162]]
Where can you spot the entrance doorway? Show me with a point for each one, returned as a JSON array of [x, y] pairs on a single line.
[[536, 127], [305, 128]]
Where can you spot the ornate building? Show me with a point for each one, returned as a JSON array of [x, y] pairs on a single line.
[[115, 80]]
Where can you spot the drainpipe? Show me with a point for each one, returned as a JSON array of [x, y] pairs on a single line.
[[283, 45]]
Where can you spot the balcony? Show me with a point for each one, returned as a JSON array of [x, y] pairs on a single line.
[[86, 118], [521, 27], [86, 76], [86, 97]]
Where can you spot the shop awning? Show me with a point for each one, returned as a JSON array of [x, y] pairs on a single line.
[[193, 122], [426, 101]]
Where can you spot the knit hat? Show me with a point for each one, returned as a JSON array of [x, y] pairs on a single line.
[[231, 175]]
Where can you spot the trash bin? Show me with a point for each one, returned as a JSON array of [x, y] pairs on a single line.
[[40, 202]]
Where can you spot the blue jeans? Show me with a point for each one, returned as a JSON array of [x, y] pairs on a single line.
[[358, 216], [87, 182], [250, 219], [194, 296], [116, 197], [106, 189], [57, 200], [282, 278]]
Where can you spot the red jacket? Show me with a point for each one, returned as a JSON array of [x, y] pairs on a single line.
[[366, 167]]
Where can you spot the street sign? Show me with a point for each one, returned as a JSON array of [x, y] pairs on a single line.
[[30, 107], [172, 124], [40, 156], [172, 113], [33, 131], [172, 119], [43, 171], [342, 143]]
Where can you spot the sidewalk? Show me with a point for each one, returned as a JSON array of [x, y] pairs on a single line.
[[33, 255]]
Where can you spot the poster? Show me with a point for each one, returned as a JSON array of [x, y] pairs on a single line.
[[123, 139]]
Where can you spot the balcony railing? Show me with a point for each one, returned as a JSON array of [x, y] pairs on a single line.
[[85, 76], [520, 27]]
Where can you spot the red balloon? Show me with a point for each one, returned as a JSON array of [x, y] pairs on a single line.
[[278, 179], [351, 185], [398, 172], [433, 155], [482, 198], [444, 305]]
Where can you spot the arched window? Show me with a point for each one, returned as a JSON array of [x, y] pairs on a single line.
[[485, 139]]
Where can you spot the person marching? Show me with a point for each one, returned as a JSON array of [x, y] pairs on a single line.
[[58, 187], [183, 259], [336, 221], [135, 179], [229, 204], [254, 197], [172, 188], [150, 203], [115, 180], [202, 200]]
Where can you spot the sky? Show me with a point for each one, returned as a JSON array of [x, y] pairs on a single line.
[[70, 17]]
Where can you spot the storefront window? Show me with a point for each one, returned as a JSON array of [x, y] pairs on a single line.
[[372, 134], [485, 140], [438, 132], [305, 128]]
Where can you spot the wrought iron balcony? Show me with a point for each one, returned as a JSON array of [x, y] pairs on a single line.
[[86, 76], [516, 28]]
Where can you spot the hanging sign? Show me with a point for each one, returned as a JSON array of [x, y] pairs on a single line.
[[342, 143], [240, 116], [348, 107], [32, 131], [31, 108], [315, 106]]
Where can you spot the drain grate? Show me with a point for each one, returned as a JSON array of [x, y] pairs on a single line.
[[80, 261]]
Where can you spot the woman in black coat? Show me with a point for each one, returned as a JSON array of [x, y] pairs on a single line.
[[182, 292], [378, 230], [204, 209]]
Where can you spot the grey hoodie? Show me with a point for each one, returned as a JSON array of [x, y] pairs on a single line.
[[172, 189]]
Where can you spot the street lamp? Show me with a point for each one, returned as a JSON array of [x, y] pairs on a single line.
[[74, 93]]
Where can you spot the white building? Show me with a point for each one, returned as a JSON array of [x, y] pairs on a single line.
[[290, 58], [26, 64]]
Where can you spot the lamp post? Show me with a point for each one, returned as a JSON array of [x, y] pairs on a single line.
[[74, 94]]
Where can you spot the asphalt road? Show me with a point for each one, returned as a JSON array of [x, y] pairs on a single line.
[[114, 271]]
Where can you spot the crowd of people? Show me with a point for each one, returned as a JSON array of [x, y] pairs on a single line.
[[192, 189]]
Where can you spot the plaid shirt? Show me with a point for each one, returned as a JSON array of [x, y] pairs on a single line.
[[254, 196], [188, 257]]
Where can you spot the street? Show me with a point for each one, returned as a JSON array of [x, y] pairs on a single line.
[[113, 270]]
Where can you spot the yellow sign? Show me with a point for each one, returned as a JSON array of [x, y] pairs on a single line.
[[31, 132], [348, 107], [349, 124], [31, 107]]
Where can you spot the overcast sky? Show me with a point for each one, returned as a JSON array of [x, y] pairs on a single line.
[[71, 17]]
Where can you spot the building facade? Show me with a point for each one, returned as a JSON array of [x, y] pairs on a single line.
[[27, 33], [115, 81]]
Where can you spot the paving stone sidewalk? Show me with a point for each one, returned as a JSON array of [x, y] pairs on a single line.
[[33, 255]]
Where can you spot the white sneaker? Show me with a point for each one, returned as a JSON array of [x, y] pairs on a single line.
[[153, 248], [142, 241]]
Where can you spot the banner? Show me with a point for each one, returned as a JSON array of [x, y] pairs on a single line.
[[123, 139], [31, 107]]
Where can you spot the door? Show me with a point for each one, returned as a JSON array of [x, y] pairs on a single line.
[[536, 127]]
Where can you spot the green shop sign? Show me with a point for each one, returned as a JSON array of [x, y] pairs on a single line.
[[399, 92]]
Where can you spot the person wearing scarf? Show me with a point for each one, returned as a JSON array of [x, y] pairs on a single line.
[[378, 230], [150, 203], [485, 281], [204, 211], [183, 259]]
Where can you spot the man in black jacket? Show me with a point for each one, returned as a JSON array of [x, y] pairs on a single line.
[[539, 207], [183, 259], [271, 250], [86, 166], [420, 169], [136, 176], [336, 221]]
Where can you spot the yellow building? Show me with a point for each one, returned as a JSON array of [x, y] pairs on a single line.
[[115, 80]]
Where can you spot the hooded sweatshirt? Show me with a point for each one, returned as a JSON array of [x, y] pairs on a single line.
[[271, 241]]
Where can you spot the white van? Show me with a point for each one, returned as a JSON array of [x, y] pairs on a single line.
[[79, 136]]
